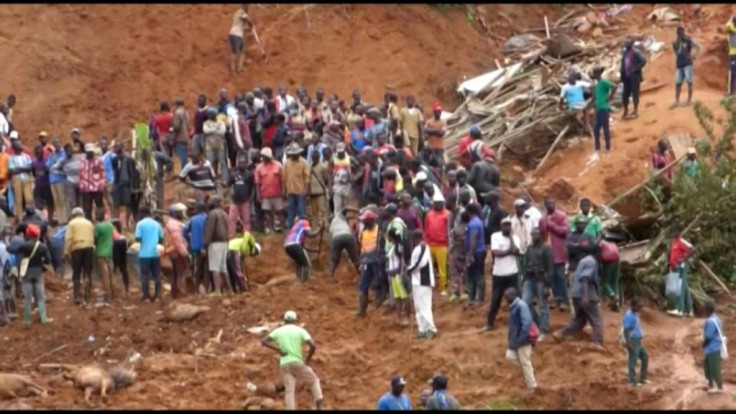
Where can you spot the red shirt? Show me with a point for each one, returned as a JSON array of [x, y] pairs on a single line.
[[368, 122], [269, 176], [91, 176], [679, 249], [162, 122], [436, 227], [463, 153], [384, 149], [268, 135]]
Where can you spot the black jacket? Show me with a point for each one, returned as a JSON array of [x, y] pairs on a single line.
[[638, 63]]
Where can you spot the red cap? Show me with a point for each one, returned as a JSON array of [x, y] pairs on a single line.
[[32, 231], [368, 215], [436, 107]]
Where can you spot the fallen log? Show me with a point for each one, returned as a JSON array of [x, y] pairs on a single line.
[[641, 184], [552, 148], [713, 276]]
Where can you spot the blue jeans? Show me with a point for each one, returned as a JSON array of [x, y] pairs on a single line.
[[150, 266], [369, 276], [296, 206], [601, 122], [559, 284], [530, 290], [181, 152]]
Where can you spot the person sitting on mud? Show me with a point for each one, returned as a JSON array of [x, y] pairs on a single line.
[[287, 341], [295, 249]]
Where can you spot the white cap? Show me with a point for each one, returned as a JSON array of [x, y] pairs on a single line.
[[290, 316], [438, 197], [519, 202], [421, 176], [89, 147], [13, 134]]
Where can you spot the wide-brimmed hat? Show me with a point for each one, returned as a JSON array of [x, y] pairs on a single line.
[[293, 149]]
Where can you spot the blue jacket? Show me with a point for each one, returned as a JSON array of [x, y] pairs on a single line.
[[193, 232], [711, 339], [520, 320]]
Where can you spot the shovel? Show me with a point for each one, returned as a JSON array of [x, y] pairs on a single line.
[[258, 41]]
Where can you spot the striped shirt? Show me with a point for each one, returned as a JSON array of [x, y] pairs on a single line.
[[200, 175], [297, 233], [20, 160]]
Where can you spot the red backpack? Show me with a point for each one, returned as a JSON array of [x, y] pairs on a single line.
[[609, 252]]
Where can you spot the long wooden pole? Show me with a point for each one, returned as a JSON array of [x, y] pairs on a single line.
[[638, 186], [552, 147]]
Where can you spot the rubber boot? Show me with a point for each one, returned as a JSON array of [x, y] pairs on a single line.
[[26, 313], [42, 312], [10, 307], [380, 298], [362, 304], [88, 293], [3, 316], [75, 288]]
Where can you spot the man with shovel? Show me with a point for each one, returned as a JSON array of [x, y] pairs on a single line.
[[235, 37]]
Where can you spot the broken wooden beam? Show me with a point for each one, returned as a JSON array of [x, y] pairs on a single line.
[[643, 183], [552, 147], [713, 276]]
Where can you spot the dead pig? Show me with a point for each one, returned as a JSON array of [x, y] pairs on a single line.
[[96, 379], [16, 385]]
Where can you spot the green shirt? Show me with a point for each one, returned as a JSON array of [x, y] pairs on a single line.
[[398, 224], [602, 92], [691, 168], [290, 339], [594, 227], [442, 402], [246, 244], [103, 239]]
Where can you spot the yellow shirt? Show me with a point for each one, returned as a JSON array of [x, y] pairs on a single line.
[[80, 234], [369, 240], [731, 31], [410, 119]]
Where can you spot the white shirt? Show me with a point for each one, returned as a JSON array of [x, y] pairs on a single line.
[[534, 215], [4, 125], [284, 103], [424, 260], [522, 228], [257, 103], [504, 266]]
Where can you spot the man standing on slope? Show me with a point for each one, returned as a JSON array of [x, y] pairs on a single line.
[[241, 21], [287, 340]]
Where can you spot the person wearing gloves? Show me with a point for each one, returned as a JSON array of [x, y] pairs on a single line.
[[422, 282], [37, 256], [238, 248]]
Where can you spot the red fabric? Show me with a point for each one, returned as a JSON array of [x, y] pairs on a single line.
[[163, 122], [91, 176], [384, 149], [609, 252], [268, 179], [678, 251], [368, 122], [32, 231], [436, 107], [435, 227], [463, 153], [268, 135], [407, 153]]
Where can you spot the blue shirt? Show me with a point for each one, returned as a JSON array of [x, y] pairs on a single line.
[[55, 157], [573, 94], [107, 162], [320, 147], [712, 340], [475, 226], [194, 232], [389, 402], [632, 324], [378, 128], [358, 143], [149, 232]]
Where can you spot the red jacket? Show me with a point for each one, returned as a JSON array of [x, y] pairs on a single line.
[[463, 153], [436, 227], [554, 230]]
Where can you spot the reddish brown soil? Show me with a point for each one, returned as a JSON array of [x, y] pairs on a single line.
[[101, 67]]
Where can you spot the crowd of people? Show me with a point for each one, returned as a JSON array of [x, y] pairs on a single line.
[[414, 222]]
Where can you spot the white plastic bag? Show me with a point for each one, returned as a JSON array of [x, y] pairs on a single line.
[[724, 341], [673, 285]]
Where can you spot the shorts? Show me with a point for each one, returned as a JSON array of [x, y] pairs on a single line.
[[272, 204], [578, 106], [43, 193], [685, 73], [237, 44], [121, 196], [217, 257], [397, 288]]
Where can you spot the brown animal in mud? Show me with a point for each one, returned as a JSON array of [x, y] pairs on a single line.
[[95, 378], [16, 385]]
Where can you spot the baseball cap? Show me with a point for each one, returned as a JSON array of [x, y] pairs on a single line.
[[519, 202], [290, 316], [266, 152], [397, 380], [43, 134], [368, 215], [506, 220], [340, 147], [438, 378], [436, 107], [691, 150], [89, 147], [391, 208], [13, 134], [75, 130]]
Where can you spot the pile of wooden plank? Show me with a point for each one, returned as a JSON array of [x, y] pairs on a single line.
[[517, 106]]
